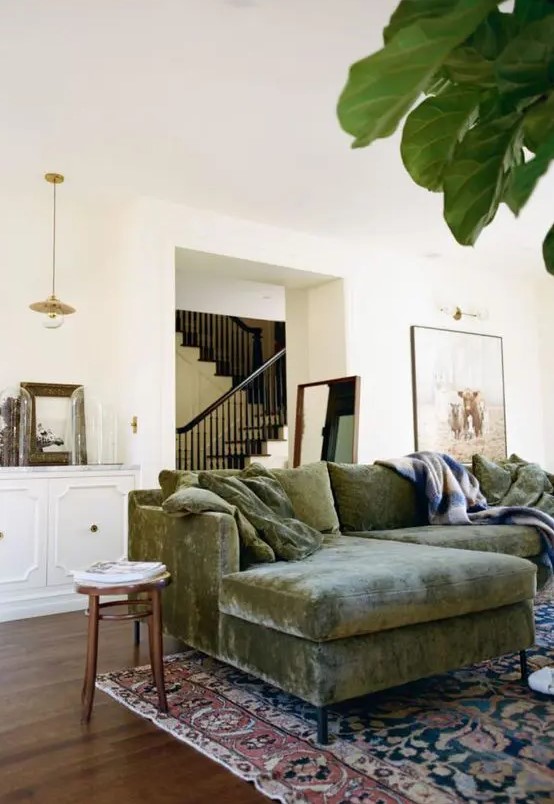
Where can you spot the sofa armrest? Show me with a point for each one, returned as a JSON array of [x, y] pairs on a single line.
[[198, 550], [145, 497]]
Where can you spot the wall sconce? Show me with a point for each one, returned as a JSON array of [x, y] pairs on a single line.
[[457, 313]]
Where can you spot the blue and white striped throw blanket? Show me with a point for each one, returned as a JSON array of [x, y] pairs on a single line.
[[454, 497]]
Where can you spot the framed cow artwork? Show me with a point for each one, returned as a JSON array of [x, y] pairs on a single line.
[[458, 393]]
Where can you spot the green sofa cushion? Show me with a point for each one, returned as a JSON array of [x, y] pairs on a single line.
[[373, 498], [309, 489], [357, 586], [289, 538], [194, 500], [514, 540]]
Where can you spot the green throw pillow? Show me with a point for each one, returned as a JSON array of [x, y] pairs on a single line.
[[309, 490], [290, 539], [512, 481], [373, 498], [172, 479], [494, 479], [194, 500], [257, 478]]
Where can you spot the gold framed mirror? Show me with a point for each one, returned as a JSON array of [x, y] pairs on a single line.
[[327, 414]]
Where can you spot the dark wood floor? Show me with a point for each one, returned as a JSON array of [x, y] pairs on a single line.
[[47, 756]]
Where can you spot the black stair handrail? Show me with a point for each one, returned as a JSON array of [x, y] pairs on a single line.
[[234, 345], [245, 327], [185, 428]]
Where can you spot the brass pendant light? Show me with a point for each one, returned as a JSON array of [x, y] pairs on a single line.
[[53, 309]]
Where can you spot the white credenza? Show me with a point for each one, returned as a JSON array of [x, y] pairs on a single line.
[[55, 520]]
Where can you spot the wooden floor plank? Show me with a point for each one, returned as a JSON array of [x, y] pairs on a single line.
[[48, 757]]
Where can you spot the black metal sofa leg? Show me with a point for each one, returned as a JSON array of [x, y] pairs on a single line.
[[322, 729], [523, 665]]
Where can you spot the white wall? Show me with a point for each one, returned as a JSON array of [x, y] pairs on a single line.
[[544, 299], [117, 266], [82, 350], [196, 385], [228, 296], [316, 340], [380, 323]]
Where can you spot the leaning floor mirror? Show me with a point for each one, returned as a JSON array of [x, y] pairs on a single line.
[[327, 421]]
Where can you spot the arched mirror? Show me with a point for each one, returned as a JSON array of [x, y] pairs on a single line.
[[327, 421]]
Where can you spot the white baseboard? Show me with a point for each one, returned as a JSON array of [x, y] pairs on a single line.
[[39, 607]]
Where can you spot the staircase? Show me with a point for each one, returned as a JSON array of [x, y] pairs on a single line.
[[248, 422]]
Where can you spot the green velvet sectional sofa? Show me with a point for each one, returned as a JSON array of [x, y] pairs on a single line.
[[386, 599]]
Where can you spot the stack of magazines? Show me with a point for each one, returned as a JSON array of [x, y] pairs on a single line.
[[122, 571]]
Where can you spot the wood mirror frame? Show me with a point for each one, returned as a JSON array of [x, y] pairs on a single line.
[[338, 404]]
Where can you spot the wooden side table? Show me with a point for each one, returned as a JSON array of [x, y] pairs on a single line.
[[147, 608]]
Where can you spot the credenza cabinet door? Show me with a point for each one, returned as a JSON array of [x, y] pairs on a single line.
[[23, 515], [87, 522]]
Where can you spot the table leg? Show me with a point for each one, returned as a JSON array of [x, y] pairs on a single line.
[[156, 647], [137, 632], [87, 695]]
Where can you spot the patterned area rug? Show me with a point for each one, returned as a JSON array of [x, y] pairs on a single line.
[[474, 735]]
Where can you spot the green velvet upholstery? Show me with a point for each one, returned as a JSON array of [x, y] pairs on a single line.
[[290, 539], [194, 500], [309, 489], [373, 498], [172, 479], [515, 540], [327, 672], [198, 551], [514, 482], [365, 611], [357, 586]]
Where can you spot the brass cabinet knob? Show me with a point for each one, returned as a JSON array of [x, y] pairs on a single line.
[[93, 528]]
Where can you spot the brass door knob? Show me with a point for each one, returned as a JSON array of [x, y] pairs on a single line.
[[1, 535], [93, 528]]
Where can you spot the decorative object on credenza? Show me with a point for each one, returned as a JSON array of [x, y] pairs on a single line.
[[50, 435], [94, 429], [458, 393], [14, 422], [54, 310]]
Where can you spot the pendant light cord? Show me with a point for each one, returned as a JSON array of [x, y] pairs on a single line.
[[54, 245]]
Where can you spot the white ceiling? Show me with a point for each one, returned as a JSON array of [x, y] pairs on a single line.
[[227, 105]]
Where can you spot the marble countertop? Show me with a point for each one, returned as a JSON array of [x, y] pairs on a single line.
[[92, 467]]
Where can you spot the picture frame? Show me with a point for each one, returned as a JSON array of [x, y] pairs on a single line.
[[458, 393], [53, 416]]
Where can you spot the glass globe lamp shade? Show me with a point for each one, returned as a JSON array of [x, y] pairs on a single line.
[[52, 320]]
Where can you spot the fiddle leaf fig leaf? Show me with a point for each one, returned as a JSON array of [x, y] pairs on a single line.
[[538, 123], [525, 68], [473, 62], [494, 33], [548, 250], [432, 131], [524, 177], [531, 10], [410, 11], [465, 65], [475, 179], [382, 87]]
